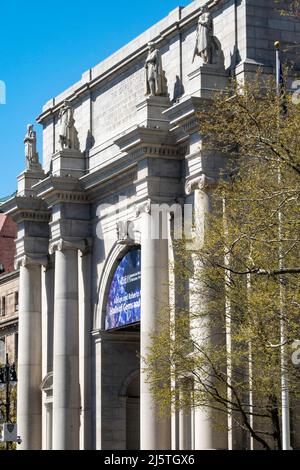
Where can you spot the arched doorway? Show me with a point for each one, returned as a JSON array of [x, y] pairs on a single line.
[[133, 414], [118, 351]]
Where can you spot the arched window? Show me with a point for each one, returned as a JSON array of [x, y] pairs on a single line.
[[124, 297]]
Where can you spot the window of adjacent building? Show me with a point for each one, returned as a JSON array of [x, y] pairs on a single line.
[[3, 306], [2, 351], [16, 301]]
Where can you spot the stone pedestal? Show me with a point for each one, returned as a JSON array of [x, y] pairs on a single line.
[[28, 179], [29, 412], [155, 432], [66, 395], [150, 112], [68, 163], [207, 79]]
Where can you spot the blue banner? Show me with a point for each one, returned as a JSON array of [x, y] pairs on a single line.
[[124, 298]]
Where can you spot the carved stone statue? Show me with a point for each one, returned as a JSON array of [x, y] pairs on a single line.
[[32, 157], [68, 135], [204, 43], [208, 47], [156, 82]]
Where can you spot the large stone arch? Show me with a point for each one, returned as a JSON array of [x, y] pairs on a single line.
[[116, 254]]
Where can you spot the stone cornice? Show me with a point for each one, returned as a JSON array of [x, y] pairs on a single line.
[[27, 208], [54, 190], [156, 150], [33, 216], [7, 277], [142, 141], [9, 326]]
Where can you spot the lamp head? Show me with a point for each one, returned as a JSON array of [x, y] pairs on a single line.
[[277, 45]]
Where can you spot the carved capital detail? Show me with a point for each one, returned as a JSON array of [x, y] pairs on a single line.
[[63, 245], [202, 183], [31, 260], [143, 208]]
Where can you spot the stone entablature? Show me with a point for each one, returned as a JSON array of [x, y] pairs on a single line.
[[105, 100]]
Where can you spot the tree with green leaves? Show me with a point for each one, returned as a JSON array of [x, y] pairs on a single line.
[[289, 7], [230, 339]]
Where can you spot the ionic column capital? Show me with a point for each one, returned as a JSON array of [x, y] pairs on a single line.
[[31, 260], [65, 244], [202, 183], [143, 208]]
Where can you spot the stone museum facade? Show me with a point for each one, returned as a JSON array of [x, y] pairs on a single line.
[[118, 145]]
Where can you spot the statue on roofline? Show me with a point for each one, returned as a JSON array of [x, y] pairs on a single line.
[[156, 81], [31, 155], [68, 135], [207, 45]]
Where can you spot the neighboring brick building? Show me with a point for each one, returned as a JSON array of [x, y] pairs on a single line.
[[9, 291], [8, 233]]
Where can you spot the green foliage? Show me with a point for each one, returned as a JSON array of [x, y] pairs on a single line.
[[241, 289], [13, 410], [288, 7]]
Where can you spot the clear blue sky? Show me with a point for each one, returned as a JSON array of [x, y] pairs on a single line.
[[45, 47]]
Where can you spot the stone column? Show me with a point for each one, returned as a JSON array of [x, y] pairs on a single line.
[[97, 385], [206, 436], [185, 417], [29, 412], [47, 344], [66, 395], [85, 363], [47, 317], [49, 411], [155, 432]]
